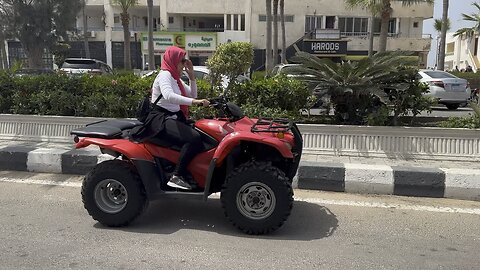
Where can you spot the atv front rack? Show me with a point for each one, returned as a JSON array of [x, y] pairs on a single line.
[[272, 125]]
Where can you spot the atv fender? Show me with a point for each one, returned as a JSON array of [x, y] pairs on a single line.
[[234, 138], [127, 148]]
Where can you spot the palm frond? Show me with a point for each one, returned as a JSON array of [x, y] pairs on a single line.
[[468, 32]]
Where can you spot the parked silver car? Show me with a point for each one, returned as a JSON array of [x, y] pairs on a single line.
[[447, 88], [78, 66]]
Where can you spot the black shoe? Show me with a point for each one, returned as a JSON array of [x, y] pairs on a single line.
[[178, 182]]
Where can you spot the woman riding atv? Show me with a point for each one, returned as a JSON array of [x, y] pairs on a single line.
[[171, 98]]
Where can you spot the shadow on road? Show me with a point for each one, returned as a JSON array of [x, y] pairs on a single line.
[[307, 221]]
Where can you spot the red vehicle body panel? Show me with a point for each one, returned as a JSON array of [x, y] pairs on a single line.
[[129, 149], [229, 134]]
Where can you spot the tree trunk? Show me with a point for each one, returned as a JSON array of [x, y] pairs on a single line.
[[275, 32], [126, 38], [284, 41], [151, 56], [85, 33], [371, 36], [35, 57], [443, 37], [3, 53], [385, 17], [268, 51]]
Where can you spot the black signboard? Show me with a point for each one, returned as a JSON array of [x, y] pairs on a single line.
[[332, 47]]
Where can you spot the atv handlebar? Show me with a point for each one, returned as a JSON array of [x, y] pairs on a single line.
[[227, 109]]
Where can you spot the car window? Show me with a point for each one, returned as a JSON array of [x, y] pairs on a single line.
[[80, 64], [439, 74], [199, 74], [418, 76]]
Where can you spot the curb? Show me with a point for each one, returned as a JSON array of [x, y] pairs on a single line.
[[390, 180], [339, 177]]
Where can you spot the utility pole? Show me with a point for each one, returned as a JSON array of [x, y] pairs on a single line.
[[85, 31], [151, 56]]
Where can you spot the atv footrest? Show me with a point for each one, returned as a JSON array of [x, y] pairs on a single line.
[[106, 129]]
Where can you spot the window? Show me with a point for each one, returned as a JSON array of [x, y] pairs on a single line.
[[353, 26], [415, 24], [116, 19], [170, 20], [229, 22], [312, 23], [450, 48], [392, 26], [288, 18], [235, 22], [330, 22], [242, 23]]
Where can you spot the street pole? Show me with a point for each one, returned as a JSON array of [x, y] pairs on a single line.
[[85, 36], [151, 56]]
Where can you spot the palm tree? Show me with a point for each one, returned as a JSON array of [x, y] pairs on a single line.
[[438, 24], [374, 8], [385, 12], [474, 17], [151, 56], [443, 36], [351, 85], [125, 5], [268, 51], [282, 19], [275, 32]]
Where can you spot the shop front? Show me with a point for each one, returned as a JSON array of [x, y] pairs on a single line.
[[336, 50], [199, 46]]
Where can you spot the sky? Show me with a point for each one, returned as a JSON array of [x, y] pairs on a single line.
[[457, 7]]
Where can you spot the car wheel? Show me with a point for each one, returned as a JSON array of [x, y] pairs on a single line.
[[452, 107]]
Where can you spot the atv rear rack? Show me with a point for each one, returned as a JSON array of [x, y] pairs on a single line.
[[272, 125]]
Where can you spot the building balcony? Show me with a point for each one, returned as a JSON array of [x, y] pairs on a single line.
[[393, 44]]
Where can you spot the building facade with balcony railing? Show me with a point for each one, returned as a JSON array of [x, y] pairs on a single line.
[[200, 25], [462, 52]]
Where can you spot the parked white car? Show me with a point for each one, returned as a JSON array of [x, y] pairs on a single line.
[[450, 90]]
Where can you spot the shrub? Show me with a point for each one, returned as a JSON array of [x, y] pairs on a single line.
[[272, 97], [230, 60], [464, 122]]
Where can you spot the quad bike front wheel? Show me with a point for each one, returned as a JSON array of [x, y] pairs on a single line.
[[257, 198], [113, 194]]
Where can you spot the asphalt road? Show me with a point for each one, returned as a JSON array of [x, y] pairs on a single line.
[[43, 226]]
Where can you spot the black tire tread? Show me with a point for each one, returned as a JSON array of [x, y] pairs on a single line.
[[276, 173], [89, 182]]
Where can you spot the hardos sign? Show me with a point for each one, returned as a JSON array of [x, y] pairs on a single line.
[[325, 47]]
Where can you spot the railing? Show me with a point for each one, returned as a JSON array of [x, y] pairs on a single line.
[[332, 140]]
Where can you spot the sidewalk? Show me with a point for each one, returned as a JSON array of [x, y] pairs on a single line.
[[459, 180]]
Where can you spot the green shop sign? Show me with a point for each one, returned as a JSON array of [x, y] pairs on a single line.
[[189, 41]]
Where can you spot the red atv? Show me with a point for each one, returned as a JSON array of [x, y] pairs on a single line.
[[250, 161]]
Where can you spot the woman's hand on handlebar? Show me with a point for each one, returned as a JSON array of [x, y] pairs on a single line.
[[201, 102]]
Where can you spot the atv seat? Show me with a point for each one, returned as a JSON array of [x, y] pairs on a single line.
[[106, 129]]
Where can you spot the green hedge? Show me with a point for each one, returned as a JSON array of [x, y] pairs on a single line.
[[118, 95]]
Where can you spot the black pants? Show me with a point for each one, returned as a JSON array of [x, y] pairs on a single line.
[[183, 135]]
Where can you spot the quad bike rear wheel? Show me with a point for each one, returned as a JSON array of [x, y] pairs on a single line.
[[257, 198], [113, 194]]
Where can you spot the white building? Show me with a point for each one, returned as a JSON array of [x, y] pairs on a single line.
[[462, 52], [324, 27]]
